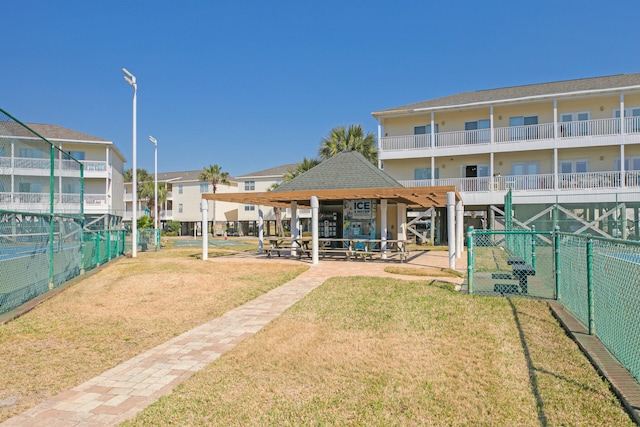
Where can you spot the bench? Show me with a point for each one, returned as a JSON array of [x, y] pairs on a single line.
[[521, 273]]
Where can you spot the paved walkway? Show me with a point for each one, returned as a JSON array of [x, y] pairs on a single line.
[[120, 393]]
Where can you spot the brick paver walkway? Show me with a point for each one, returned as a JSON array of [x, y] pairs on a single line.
[[120, 393]]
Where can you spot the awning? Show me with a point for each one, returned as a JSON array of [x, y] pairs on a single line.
[[413, 197]]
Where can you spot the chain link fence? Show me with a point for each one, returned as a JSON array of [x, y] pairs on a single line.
[[42, 241], [596, 279]]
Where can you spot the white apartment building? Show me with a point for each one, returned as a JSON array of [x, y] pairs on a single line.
[[184, 195], [25, 169], [575, 142]]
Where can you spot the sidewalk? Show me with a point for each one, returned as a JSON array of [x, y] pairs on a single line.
[[120, 393]]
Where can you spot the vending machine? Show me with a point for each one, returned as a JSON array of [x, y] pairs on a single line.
[[359, 220]]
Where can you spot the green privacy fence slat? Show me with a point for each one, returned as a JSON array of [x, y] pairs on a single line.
[[599, 281]]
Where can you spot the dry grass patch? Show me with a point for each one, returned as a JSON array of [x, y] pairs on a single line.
[[126, 308], [374, 351], [424, 271]]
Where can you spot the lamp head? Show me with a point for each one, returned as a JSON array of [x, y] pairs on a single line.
[[129, 78], [152, 139]]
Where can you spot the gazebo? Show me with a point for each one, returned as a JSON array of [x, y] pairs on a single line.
[[350, 196]]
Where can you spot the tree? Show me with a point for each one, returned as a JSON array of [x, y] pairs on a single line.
[[146, 192], [302, 167], [353, 138], [141, 175], [214, 175]]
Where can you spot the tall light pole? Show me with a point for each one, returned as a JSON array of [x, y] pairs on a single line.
[[155, 188], [131, 79]]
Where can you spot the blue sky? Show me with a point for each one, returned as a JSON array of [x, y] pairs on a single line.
[[255, 84]]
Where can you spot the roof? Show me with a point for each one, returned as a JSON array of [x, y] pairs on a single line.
[[342, 171], [345, 176], [513, 93], [277, 171], [59, 133]]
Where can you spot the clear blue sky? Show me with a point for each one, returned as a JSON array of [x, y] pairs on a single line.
[[254, 84]]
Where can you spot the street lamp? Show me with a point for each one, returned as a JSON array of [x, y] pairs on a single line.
[[131, 79], [155, 188]]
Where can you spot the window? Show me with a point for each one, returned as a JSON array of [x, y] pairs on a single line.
[[249, 207], [249, 186], [525, 168], [424, 130], [180, 208], [71, 188], [29, 187], [630, 164], [482, 132], [575, 124], [204, 187], [1, 151], [523, 128], [425, 173], [180, 190], [31, 153], [574, 166], [78, 155]]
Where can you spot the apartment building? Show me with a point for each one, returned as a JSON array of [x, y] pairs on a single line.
[[575, 142], [257, 182], [184, 194], [25, 170]]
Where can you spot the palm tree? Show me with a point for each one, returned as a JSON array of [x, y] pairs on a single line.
[[214, 175], [302, 167], [341, 139], [146, 192]]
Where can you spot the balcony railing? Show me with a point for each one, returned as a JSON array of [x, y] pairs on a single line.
[[30, 163], [537, 182], [168, 214], [540, 132]]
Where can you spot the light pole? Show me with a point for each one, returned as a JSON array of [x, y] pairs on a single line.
[[131, 79], [155, 188]]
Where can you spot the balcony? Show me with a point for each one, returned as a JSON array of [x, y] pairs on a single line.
[[518, 138], [545, 184], [42, 167], [166, 215], [63, 203]]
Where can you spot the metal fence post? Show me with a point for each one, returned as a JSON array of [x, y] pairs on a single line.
[[533, 246], [470, 259], [108, 245], [590, 283], [556, 245], [97, 243]]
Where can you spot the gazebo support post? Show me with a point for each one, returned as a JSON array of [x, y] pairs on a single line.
[[260, 230], [451, 228], [459, 228], [204, 207], [314, 230], [383, 228]]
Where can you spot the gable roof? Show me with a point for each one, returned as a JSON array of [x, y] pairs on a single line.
[[514, 93], [277, 171], [342, 171]]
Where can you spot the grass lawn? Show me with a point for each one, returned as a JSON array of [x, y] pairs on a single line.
[[129, 306], [374, 351]]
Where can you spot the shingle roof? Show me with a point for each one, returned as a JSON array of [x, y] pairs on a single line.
[[275, 171], [347, 170], [59, 133], [517, 92]]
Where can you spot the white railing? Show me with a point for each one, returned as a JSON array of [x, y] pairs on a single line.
[[94, 166], [28, 163], [540, 132], [537, 182], [169, 195], [95, 199], [168, 214], [406, 142], [5, 162], [524, 133], [588, 180]]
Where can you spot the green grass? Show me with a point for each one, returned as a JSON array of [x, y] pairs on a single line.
[[383, 352]]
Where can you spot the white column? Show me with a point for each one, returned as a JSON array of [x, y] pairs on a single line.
[[433, 171], [383, 228], [402, 221], [555, 168], [451, 228], [622, 123], [379, 143], [204, 207], [433, 132], [555, 120], [492, 135], [260, 230], [294, 225], [314, 230], [491, 171], [459, 228], [622, 170]]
